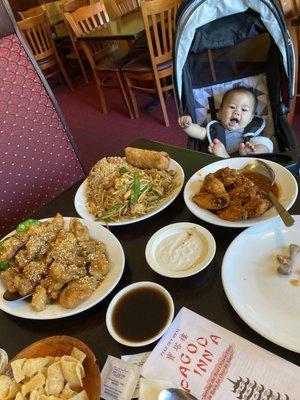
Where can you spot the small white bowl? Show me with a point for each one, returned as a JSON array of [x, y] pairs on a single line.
[[118, 297], [166, 236]]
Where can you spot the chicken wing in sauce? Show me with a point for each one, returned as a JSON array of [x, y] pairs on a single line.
[[233, 196], [212, 195]]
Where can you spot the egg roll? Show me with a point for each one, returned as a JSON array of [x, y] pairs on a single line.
[[147, 159]]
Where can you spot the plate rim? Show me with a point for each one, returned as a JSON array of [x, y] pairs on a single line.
[[73, 311], [237, 224], [205, 231], [250, 322], [171, 198]]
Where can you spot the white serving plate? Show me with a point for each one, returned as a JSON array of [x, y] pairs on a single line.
[[23, 309], [288, 191], [208, 245], [267, 301], [80, 200]]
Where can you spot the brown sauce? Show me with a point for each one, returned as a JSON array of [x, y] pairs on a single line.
[[263, 182], [140, 314]]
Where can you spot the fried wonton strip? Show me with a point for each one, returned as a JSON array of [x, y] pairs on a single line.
[[17, 369], [19, 396], [55, 379], [80, 396], [13, 389], [35, 383], [74, 360], [33, 365], [78, 354], [68, 392], [34, 395], [72, 372], [5, 383]]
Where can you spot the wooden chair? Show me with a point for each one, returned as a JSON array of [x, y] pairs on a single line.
[[290, 8], [37, 33], [159, 20], [32, 11], [74, 47], [291, 11], [104, 57], [122, 7]]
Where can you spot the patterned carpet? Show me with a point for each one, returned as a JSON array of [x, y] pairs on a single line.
[[99, 135]]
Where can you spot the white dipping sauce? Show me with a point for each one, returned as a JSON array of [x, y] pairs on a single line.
[[181, 251]]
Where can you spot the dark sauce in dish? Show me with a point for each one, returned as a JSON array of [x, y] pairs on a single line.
[[140, 314], [263, 182]]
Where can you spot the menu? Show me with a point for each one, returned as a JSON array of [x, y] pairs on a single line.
[[213, 363]]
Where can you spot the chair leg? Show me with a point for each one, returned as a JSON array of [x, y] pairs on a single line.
[[64, 72], [81, 64], [124, 94], [101, 94], [162, 100], [132, 96]]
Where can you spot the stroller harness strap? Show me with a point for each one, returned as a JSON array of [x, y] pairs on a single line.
[[215, 130]]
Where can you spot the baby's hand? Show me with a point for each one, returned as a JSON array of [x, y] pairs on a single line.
[[185, 121]]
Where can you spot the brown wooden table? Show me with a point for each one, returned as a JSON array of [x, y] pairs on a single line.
[[202, 293], [128, 27]]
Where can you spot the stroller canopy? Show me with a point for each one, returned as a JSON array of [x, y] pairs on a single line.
[[215, 24]]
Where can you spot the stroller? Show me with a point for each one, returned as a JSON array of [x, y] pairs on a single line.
[[221, 44]]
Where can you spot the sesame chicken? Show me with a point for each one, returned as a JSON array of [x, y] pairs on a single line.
[[54, 263]]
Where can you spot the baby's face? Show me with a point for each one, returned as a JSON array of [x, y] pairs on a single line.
[[237, 111]]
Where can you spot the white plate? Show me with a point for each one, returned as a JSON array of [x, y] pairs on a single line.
[[288, 190], [81, 208], [23, 309], [264, 299], [208, 246]]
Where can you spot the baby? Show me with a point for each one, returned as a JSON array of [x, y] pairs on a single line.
[[236, 112]]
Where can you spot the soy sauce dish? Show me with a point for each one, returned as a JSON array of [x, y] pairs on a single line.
[[140, 314]]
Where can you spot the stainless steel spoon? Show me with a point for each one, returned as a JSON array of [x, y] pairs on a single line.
[[175, 394], [9, 296], [263, 168]]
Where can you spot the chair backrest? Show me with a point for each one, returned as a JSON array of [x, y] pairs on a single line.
[[39, 159], [122, 7], [73, 5], [290, 8], [159, 19], [37, 33], [69, 7], [86, 19], [32, 11]]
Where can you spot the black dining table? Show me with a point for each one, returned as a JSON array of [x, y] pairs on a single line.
[[202, 293]]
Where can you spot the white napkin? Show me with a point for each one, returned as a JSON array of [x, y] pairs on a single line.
[[150, 388]]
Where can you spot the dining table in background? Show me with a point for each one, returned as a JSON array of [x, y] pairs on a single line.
[[202, 293], [128, 27]]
